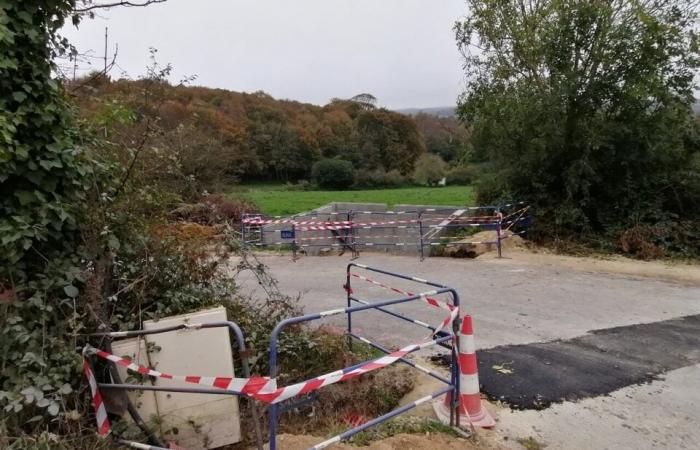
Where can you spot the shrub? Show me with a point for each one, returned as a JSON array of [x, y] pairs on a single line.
[[461, 175], [302, 185], [333, 173], [638, 241], [214, 209], [430, 169], [379, 178]]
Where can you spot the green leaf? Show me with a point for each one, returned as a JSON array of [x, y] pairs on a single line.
[[113, 243], [53, 409], [19, 96], [71, 291], [25, 197]]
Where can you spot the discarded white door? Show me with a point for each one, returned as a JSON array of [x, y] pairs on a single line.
[[194, 421]]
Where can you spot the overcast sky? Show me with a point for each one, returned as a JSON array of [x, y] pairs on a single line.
[[401, 51]]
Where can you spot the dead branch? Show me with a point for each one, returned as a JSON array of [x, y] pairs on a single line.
[[88, 5]]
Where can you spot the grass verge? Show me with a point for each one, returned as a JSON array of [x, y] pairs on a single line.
[[278, 200]]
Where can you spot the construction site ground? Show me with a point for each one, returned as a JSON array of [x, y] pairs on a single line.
[[582, 352]]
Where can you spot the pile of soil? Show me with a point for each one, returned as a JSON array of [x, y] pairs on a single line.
[[466, 248], [398, 442]]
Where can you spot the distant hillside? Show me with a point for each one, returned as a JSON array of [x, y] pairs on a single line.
[[696, 107], [256, 137], [439, 111]]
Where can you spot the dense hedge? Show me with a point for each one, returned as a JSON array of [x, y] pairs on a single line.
[[590, 118], [333, 174]]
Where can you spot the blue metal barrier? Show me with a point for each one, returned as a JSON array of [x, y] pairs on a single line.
[[275, 409], [301, 233]]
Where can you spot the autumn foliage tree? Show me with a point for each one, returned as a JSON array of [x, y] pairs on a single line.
[[256, 137]]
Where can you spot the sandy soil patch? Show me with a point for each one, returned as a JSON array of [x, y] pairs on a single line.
[[660, 270], [398, 442]]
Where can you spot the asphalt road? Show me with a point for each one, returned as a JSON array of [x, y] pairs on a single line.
[[512, 302], [541, 311]]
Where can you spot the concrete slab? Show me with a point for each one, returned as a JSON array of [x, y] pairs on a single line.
[[659, 415]]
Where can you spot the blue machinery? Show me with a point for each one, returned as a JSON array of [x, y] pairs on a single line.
[[354, 305]]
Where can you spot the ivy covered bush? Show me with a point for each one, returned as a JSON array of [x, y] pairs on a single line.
[[85, 239], [103, 226], [44, 179]]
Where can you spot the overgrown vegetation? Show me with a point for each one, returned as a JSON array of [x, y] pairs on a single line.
[[430, 169], [584, 109], [109, 221]]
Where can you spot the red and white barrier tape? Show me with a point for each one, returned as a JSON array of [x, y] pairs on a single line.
[[327, 224], [103, 425], [259, 388], [264, 388], [454, 311]]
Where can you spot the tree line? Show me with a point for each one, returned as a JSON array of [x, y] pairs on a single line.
[[585, 110], [242, 137]]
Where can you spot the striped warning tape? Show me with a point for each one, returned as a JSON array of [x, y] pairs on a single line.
[[452, 244], [246, 386], [264, 388], [345, 223], [260, 244], [454, 311], [259, 388], [103, 425]]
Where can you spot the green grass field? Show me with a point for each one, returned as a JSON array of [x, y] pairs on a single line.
[[278, 200]]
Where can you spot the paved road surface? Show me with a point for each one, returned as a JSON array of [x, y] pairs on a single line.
[[517, 302], [512, 302]]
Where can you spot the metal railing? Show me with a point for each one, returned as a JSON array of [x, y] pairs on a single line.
[[419, 230], [285, 398]]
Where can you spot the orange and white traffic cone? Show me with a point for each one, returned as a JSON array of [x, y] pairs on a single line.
[[470, 409]]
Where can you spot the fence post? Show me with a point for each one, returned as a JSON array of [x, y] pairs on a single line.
[[294, 242], [348, 290], [420, 235], [353, 234], [456, 325], [499, 214]]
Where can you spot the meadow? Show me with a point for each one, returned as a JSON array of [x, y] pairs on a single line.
[[279, 200]]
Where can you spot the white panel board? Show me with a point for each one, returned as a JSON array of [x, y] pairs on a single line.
[[201, 420]]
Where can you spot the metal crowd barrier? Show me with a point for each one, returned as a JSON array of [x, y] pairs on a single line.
[[283, 397], [432, 227]]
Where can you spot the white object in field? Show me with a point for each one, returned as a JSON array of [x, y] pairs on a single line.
[[202, 421]]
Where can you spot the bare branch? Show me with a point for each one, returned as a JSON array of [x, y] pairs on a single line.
[[99, 74], [90, 6]]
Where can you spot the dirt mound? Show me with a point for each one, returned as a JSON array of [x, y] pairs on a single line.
[[483, 242], [398, 442]]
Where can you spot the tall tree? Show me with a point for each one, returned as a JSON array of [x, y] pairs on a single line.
[[584, 106]]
